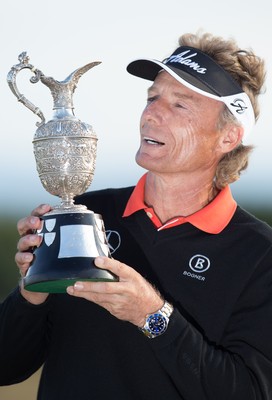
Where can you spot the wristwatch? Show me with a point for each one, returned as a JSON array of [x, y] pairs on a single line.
[[157, 323]]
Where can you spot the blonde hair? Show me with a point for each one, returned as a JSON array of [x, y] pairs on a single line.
[[248, 70]]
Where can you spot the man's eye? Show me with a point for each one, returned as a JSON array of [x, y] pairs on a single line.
[[178, 105], [151, 99]]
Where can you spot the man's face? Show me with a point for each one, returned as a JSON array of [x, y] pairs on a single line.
[[178, 129]]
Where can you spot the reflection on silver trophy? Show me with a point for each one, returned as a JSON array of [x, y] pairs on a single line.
[[65, 153]]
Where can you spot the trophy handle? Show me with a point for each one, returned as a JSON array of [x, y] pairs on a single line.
[[11, 78]]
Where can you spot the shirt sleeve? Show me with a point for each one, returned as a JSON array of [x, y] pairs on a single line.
[[23, 337], [237, 368]]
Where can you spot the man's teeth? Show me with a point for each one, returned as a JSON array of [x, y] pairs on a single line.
[[152, 141]]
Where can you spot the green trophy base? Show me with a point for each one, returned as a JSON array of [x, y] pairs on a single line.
[[57, 286]]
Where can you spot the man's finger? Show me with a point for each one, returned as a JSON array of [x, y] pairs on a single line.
[[122, 271]]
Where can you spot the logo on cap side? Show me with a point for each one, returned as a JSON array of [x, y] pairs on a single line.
[[187, 60], [240, 106]]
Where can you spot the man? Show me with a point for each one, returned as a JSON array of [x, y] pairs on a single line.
[[191, 315]]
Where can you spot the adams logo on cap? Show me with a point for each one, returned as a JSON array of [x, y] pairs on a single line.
[[187, 60], [200, 73]]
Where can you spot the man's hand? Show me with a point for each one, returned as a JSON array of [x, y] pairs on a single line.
[[130, 299], [26, 228]]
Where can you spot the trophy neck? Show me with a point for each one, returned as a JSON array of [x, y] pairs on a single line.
[[63, 112], [67, 200], [67, 205]]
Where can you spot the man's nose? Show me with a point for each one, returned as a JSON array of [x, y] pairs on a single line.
[[154, 110]]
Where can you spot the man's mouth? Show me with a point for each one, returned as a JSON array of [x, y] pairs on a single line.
[[152, 141]]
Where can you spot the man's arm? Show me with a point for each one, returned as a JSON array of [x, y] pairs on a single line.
[[23, 337], [23, 315]]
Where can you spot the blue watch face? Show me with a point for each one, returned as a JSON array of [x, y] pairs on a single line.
[[157, 324]]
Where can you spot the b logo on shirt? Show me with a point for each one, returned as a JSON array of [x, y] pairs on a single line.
[[199, 263]]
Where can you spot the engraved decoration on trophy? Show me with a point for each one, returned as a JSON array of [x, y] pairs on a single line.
[[65, 153]]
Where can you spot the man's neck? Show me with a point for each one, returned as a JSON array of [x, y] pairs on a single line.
[[174, 196]]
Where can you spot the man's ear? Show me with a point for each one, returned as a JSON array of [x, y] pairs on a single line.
[[232, 136]]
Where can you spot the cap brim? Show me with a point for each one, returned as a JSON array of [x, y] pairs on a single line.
[[149, 69]]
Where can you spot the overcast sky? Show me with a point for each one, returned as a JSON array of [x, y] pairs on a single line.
[[60, 36]]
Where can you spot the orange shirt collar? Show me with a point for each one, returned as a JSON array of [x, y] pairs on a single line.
[[211, 219]]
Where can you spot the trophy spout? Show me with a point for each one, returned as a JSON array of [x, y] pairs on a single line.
[[62, 91]]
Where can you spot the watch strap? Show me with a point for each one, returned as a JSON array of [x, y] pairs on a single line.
[[166, 309]]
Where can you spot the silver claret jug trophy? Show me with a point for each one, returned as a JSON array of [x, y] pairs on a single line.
[[65, 154]]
